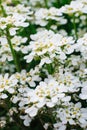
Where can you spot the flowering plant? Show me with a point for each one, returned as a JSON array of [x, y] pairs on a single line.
[[43, 65]]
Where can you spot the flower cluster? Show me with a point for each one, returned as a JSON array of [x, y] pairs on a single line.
[[78, 7], [43, 16], [48, 47], [43, 65]]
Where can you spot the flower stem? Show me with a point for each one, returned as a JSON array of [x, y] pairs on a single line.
[[75, 29], [12, 50], [59, 3], [46, 3], [3, 11], [86, 22]]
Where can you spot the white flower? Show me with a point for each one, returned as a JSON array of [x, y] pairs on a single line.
[[45, 60], [83, 118], [70, 114], [71, 83], [5, 51], [83, 94], [13, 31], [26, 119], [2, 123], [3, 96], [32, 111], [59, 126], [47, 46], [42, 16], [16, 20], [29, 77], [49, 92], [8, 83], [17, 41], [15, 99], [82, 46], [74, 7]]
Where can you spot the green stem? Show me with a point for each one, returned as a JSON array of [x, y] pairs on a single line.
[[86, 22], [75, 29], [59, 3], [46, 3], [12, 50], [3, 11]]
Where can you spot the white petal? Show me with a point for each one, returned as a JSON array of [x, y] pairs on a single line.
[[32, 111], [3, 96]]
